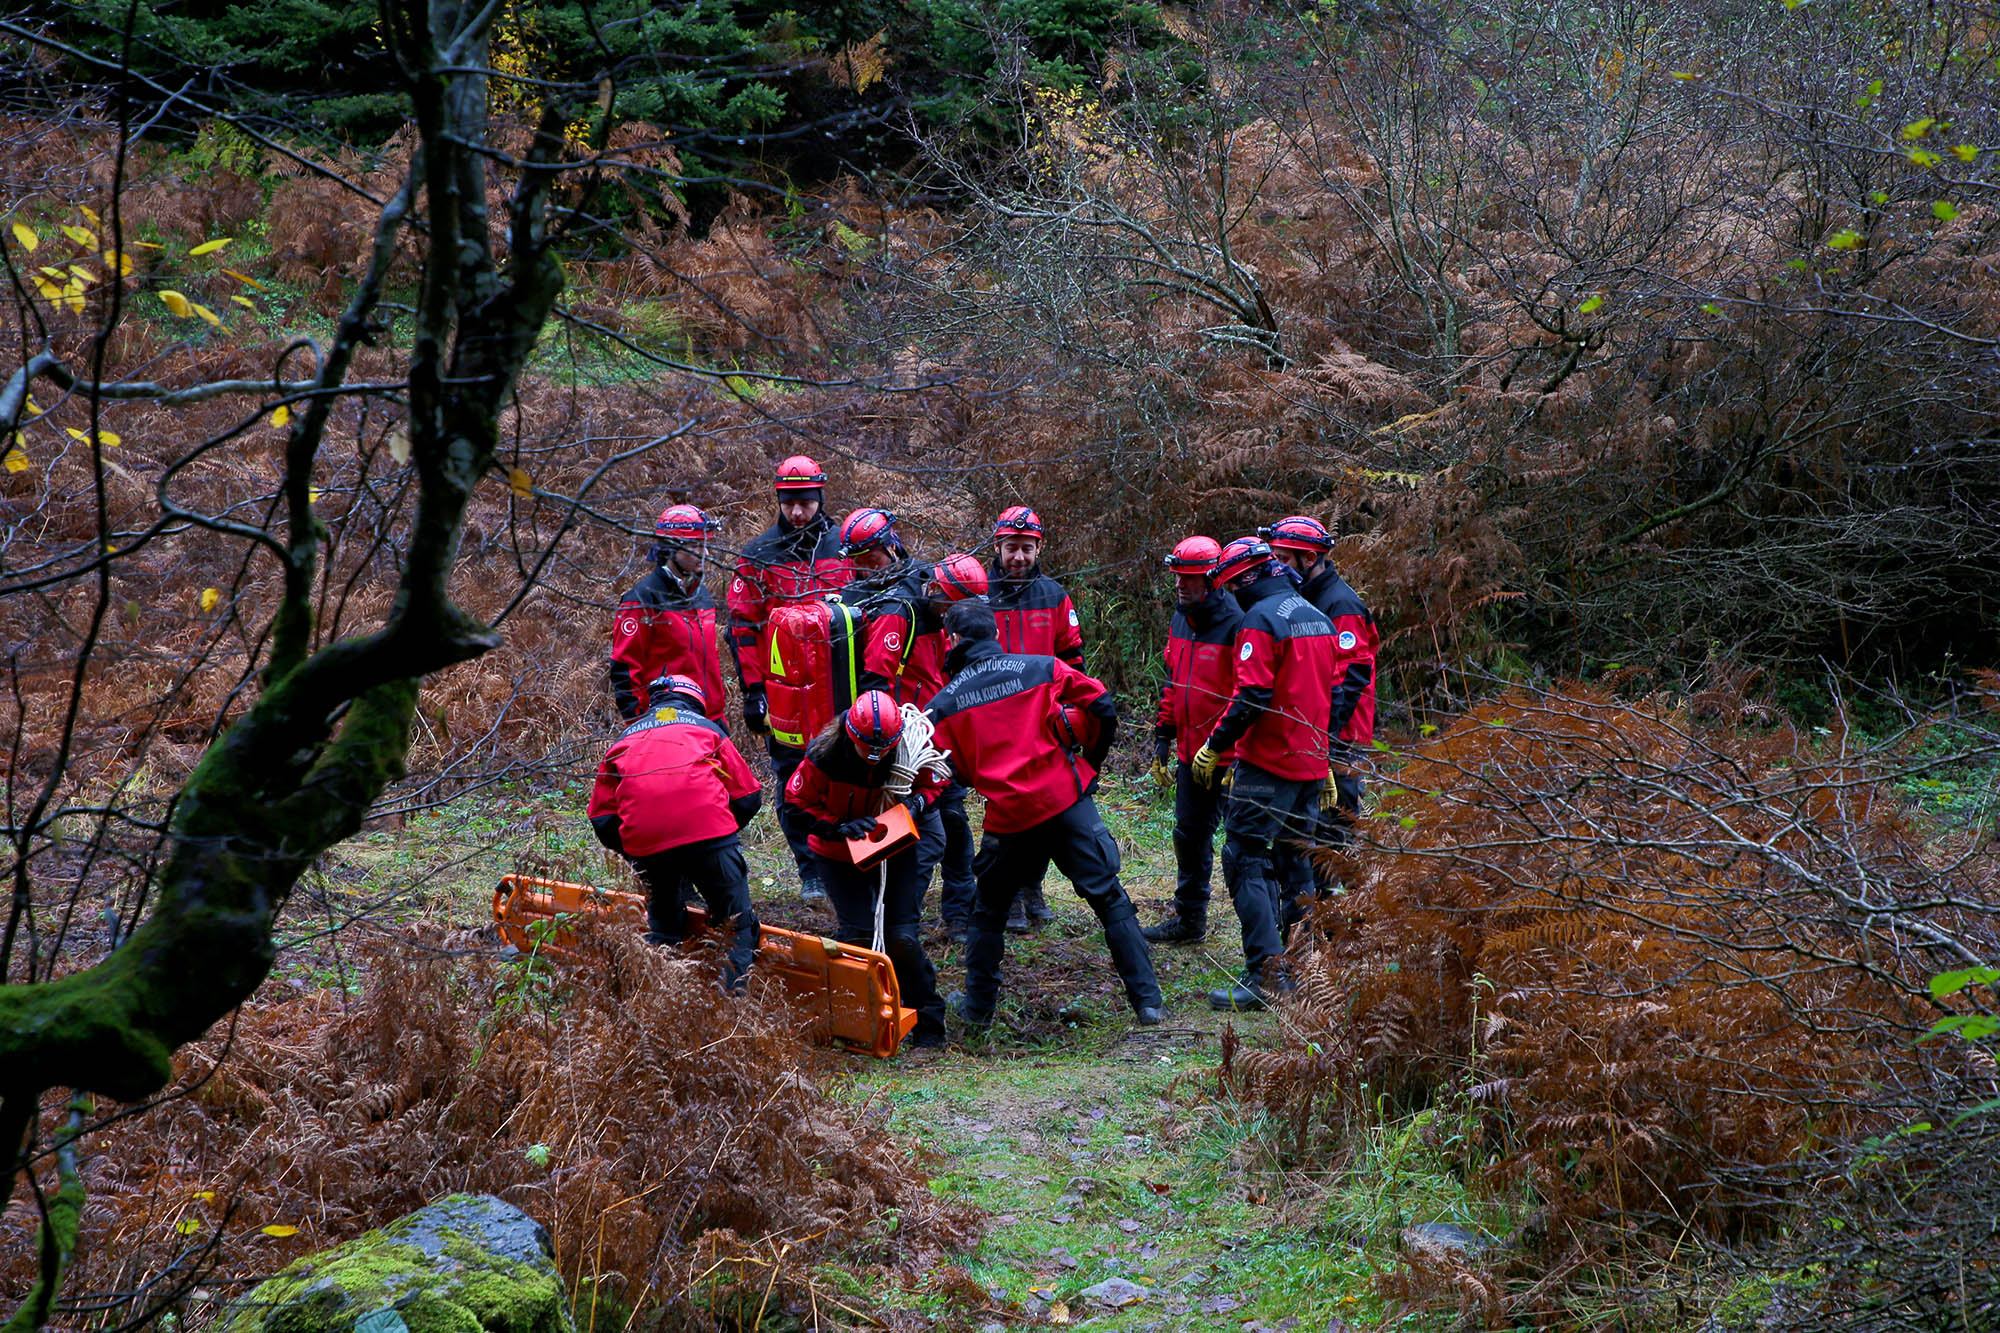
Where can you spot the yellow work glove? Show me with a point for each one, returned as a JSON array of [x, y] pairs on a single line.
[[1329, 795], [1203, 766], [1162, 775]]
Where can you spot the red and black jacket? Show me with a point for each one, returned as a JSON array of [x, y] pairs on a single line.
[[673, 778], [1355, 641], [1277, 718], [781, 567], [906, 643], [1201, 671], [998, 717], [1034, 615], [663, 629], [834, 784]]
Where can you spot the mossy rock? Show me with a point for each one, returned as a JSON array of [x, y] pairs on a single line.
[[469, 1263]]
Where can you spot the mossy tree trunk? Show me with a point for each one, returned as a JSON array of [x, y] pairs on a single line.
[[298, 771]]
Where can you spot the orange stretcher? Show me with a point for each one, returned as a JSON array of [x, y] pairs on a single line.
[[849, 991]]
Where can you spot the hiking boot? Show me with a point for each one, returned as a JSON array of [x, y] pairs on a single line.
[[1178, 929], [1017, 917], [956, 931], [1037, 905], [1240, 998], [812, 893], [954, 1004], [1149, 1015]]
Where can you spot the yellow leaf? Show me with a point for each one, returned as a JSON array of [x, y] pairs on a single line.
[[210, 247], [187, 1226], [74, 300], [523, 485], [26, 236], [177, 303], [244, 301], [399, 445], [17, 461], [121, 263], [1844, 240], [1923, 157], [1058, 1313], [281, 415], [312, 496], [1965, 152], [209, 598], [209, 1195], [1917, 129], [149, 245], [1589, 305], [90, 215], [82, 274], [1684, 75], [1944, 210], [83, 236], [279, 1231], [46, 288], [107, 438], [207, 314], [246, 279]]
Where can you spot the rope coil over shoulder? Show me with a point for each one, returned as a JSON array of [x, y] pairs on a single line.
[[914, 754]]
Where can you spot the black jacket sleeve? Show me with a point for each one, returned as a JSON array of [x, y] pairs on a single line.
[[1251, 702], [746, 805], [607, 831]]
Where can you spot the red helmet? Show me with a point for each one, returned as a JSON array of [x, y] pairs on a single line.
[[1017, 521], [1299, 533], [866, 529], [1195, 555], [959, 577], [874, 724], [799, 473], [1245, 555], [684, 523], [687, 685]]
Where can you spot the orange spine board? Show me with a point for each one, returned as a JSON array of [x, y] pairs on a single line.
[[849, 991]]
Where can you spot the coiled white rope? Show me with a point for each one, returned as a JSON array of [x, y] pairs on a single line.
[[914, 754]]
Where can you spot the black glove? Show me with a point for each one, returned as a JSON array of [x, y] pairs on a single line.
[[859, 828], [1163, 750], [756, 712], [917, 806]]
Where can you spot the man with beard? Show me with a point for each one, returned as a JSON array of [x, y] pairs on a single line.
[[1034, 615]]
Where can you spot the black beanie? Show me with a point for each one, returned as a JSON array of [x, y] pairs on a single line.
[[971, 620]]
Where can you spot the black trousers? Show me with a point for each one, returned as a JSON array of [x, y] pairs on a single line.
[[1266, 828], [714, 867], [1197, 813], [1336, 826], [853, 895], [947, 843], [791, 822], [1086, 853]]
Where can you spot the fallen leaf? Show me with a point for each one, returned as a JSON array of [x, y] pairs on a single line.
[[175, 302], [26, 236], [520, 483], [209, 598], [280, 1231], [210, 247], [281, 415]]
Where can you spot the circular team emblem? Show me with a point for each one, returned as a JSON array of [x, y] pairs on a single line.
[[1244, 652], [630, 627], [1347, 639], [1072, 616], [893, 639]]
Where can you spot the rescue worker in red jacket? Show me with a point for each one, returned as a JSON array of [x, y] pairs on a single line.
[[906, 652], [665, 626], [1035, 616], [671, 796], [1200, 681], [839, 789], [1277, 724], [796, 559], [1007, 720], [1302, 545]]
